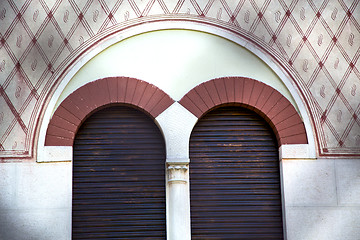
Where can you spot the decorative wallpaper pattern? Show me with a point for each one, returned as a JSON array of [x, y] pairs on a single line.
[[316, 42]]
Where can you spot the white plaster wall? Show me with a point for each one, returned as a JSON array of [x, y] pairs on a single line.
[[177, 124], [322, 199], [35, 201]]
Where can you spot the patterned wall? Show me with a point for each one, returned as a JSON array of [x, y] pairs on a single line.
[[316, 42]]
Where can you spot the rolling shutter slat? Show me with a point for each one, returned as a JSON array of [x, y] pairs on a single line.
[[234, 177], [119, 177]]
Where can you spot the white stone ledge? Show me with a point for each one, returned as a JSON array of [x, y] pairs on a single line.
[[177, 161], [55, 154], [296, 151]]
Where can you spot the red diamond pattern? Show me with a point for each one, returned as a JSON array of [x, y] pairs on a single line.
[[317, 42]]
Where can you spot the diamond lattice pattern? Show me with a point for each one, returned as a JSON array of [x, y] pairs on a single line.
[[318, 42]]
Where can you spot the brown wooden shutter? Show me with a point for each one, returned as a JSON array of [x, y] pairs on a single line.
[[234, 177], [119, 177]]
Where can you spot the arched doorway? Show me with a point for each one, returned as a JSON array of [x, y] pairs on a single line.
[[118, 177], [234, 177]]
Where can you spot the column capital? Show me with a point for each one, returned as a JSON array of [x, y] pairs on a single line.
[[177, 173]]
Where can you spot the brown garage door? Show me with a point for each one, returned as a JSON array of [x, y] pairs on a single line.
[[119, 177], [234, 177]]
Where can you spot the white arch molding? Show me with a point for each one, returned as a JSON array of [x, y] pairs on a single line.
[[64, 153]]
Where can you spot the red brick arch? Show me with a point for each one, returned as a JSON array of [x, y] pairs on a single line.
[[82, 102], [257, 96]]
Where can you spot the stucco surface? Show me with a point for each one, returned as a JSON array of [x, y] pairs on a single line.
[[319, 199], [35, 201]]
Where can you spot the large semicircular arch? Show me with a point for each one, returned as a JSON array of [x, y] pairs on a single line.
[[127, 30]]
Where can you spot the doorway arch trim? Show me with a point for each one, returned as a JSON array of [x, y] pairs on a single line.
[[78, 105], [82, 102], [282, 116]]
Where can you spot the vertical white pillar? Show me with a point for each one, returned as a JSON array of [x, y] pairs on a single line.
[[176, 123], [178, 201]]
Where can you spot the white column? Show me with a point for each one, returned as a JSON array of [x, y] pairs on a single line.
[[178, 196], [176, 123]]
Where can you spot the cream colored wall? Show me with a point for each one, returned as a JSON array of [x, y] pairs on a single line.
[[175, 61]]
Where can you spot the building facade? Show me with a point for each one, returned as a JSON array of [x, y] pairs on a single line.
[[237, 118]]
